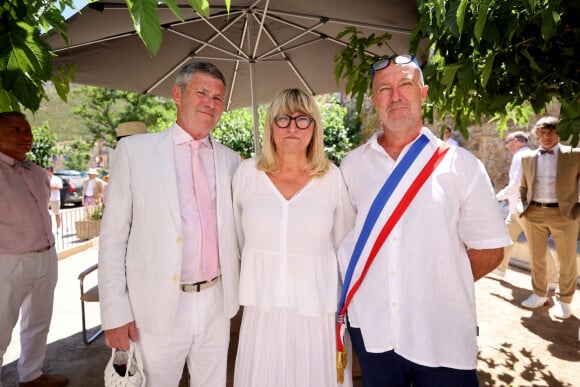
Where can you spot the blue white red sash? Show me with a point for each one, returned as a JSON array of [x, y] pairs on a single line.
[[391, 202]]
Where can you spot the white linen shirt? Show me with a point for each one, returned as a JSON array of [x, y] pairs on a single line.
[[511, 192], [418, 295], [55, 182], [545, 179]]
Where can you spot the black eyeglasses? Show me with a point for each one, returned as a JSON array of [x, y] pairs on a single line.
[[302, 121], [384, 63]]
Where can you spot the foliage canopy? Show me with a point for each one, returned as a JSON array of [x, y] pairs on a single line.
[[25, 58], [104, 109], [490, 59], [44, 146]]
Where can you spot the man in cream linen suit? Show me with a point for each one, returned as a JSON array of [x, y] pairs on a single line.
[[549, 193], [153, 288]]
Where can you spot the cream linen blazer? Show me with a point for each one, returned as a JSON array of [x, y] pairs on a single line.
[[567, 177], [140, 248]]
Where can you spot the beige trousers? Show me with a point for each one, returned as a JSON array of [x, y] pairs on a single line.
[[515, 227], [538, 224]]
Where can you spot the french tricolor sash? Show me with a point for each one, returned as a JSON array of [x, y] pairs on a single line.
[[391, 202]]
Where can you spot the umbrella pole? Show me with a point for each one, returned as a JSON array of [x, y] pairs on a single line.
[[257, 147]]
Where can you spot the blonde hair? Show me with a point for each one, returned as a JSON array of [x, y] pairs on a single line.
[[287, 102]]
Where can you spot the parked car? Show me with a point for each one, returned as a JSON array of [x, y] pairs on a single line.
[[72, 186]]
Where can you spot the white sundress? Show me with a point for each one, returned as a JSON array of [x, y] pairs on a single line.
[[289, 279]]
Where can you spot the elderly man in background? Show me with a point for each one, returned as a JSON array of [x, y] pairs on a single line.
[[92, 189], [28, 262]]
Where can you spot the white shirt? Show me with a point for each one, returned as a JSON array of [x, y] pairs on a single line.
[[418, 296], [452, 141], [545, 179], [511, 192], [90, 187], [55, 182]]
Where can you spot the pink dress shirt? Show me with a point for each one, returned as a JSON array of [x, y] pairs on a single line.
[[25, 224], [191, 266]]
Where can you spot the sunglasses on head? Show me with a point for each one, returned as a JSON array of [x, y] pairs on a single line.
[[396, 59]]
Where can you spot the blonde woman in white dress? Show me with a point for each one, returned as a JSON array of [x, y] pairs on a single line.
[[291, 211]]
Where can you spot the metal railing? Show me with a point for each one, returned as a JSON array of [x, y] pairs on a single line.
[[78, 224]]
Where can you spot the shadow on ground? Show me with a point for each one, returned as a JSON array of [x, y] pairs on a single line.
[[521, 364], [523, 347]]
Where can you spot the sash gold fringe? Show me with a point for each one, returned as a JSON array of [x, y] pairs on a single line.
[[341, 360]]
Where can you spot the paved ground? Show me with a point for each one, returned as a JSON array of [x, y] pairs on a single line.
[[518, 347]]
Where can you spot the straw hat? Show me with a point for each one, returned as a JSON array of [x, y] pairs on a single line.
[[130, 128], [92, 171]]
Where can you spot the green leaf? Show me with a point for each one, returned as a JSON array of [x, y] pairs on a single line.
[[146, 21], [531, 60], [201, 6], [172, 4], [487, 70], [481, 19], [7, 101], [61, 80], [27, 92], [461, 14], [549, 25], [449, 75]]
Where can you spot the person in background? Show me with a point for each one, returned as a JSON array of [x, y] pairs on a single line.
[[517, 144], [413, 318], [28, 261], [291, 211], [92, 189], [550, 206], [54, 201], [168, 257], [130, 128], [124, 129], [448, 138]]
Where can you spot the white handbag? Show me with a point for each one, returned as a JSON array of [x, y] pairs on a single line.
[[125, 369]]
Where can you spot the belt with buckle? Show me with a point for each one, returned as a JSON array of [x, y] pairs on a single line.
[[43, 249], [199, 286], [544, 205]]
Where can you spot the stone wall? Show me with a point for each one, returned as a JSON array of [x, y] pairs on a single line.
[[485, 143]]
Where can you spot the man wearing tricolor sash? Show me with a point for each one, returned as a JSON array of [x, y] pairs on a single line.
[[428, 226]]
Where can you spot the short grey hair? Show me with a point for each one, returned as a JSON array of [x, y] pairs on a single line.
[[186, 72], [519, 135]]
